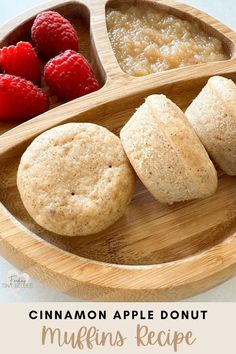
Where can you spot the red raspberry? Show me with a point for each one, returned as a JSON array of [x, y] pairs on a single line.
[[21, 60], [20, 99], [70, 76], [52, 34]]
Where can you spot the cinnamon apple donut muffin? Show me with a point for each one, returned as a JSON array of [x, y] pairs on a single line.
[[213, 116], [166, 153], [75, 179]]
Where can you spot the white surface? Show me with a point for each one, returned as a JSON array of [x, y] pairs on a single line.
[[225, 11]]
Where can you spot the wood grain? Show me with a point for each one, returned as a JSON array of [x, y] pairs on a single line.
[[154, 252]]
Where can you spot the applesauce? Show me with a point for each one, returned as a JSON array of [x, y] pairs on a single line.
[[146, 40]]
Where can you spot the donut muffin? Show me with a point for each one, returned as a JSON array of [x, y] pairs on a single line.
[[75, 179], [213, 116], [166, 153]]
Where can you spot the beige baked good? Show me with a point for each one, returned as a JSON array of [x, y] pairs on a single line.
[[213, 116], [166, 152], [75, 179]]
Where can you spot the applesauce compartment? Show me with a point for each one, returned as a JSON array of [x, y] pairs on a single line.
[[79, 16], [149, 37]]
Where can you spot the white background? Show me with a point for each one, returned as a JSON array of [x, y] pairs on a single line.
[[223, 10]]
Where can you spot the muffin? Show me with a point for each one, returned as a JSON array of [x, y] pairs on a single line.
[[213, 116], [166, 153], [75, 179]]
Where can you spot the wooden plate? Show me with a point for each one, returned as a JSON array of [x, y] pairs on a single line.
[[154, 252]]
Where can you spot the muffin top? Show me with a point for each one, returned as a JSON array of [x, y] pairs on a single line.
[[75, 179]]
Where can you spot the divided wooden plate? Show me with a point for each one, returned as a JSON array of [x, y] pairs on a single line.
[[154, 252]]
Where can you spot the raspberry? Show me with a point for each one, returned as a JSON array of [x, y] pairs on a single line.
[[70, 76], [20, 99], [21, 60], [52, 34]]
